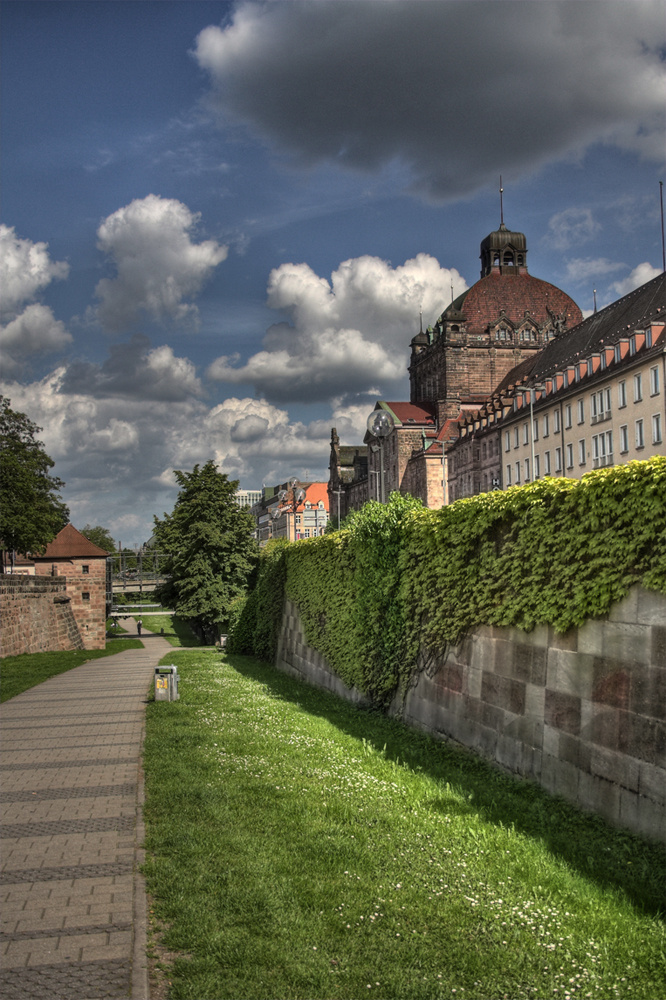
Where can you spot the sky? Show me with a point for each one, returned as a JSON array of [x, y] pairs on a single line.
[[220, 222]]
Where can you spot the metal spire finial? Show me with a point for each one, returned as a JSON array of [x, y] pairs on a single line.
[[501, 202]]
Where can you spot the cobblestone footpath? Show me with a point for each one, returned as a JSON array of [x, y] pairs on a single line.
[[73, 899]]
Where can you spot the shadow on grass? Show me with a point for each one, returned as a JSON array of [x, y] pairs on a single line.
[[175, 630], [601, 853]]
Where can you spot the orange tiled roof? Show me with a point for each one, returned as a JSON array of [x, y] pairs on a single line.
[[70, 544]]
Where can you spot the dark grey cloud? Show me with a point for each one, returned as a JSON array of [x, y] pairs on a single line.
[[455, 91], [134, 371]]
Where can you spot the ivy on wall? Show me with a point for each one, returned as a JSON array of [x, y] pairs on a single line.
[[400, 577]]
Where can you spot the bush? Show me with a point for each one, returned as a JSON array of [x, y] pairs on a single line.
[[399, 578]]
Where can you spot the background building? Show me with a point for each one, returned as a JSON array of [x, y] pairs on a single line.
[[247, 498], [504, 320], [88, 573], [291, 510]]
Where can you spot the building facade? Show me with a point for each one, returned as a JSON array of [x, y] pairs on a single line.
[[503, 321], [592, 398], [291, 510], [247, 498]]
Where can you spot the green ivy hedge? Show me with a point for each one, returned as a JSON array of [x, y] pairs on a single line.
[[400, 577]]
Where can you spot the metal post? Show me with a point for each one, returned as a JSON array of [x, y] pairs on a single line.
[[381, 470], [532, 476]]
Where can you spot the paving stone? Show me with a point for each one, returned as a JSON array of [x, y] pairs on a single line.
[[70, 766]]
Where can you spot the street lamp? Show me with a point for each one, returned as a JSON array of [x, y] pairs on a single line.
[[380, 424], [338, 494]]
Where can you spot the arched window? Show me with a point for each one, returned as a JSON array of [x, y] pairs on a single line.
[[508, 258]]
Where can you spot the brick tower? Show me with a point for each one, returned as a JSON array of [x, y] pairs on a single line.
[[497, 323]]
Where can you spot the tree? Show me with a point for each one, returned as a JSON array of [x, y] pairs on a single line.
[[210, 546], [99, 536], [31, 511]]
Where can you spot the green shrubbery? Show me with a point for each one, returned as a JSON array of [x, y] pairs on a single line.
[[399, 577]]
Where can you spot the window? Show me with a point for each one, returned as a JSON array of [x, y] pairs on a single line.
[[567, 416], [600, 405], [545, 425], [624, 439], [535, 429], [85, 596], [517, 473], [581, 451], [85, 569], [656, 429], [558, 460], [602, 449], [654, 381], [638, 388], [546, 463], [507, 441], [640, 438], [527, 470], [536, 466], [526, 434], [515, 437], [508, 475], [581, 411], [556, 422], [622, 394], [570, 461]]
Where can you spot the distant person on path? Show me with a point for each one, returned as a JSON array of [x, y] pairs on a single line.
[[139, 626]]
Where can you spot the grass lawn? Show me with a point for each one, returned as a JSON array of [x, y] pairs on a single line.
[[22, 672], [298, 847], [176, 630]]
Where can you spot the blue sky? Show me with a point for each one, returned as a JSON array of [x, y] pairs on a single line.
[[220, 221]]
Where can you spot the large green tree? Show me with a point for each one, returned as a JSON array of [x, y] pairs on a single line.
[[99, 536], [210, 545], [31, 509]]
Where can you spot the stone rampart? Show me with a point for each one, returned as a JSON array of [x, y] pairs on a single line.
[[582, 714], [36, 616]]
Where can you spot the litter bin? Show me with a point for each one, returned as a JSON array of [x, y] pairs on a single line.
[[166, 683]]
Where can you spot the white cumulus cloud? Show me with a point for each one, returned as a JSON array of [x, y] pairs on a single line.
[[345, 336], [159, 266], [641, 274], [116, 451], [26, 269]]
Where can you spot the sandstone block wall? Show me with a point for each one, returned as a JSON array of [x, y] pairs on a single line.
[[582, 714], [36, 616]]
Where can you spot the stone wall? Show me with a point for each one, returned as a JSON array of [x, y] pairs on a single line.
[[583, 714], [36, 616]]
